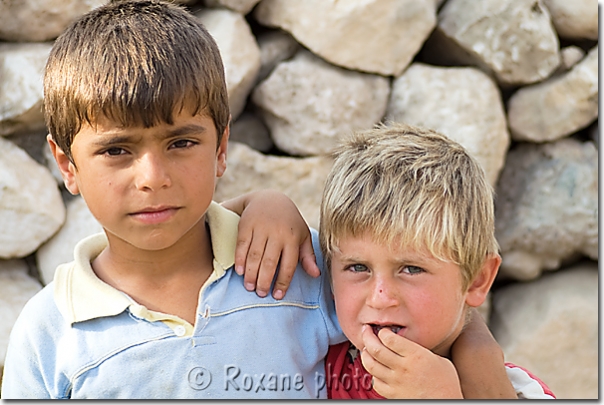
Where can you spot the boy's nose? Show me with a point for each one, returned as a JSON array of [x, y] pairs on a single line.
[[383, 294], [151, 173]]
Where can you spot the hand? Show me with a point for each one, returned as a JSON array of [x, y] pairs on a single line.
[[403, 369], [479, 361], [271, 231]]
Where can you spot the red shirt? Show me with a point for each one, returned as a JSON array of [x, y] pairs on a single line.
[[346, 378]]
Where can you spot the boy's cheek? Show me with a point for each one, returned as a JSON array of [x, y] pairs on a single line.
[[348, 316]]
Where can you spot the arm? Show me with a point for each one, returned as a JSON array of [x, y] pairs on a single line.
[[271, 231], [479, 362]]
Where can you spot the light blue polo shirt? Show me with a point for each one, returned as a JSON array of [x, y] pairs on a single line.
[[81, 338]]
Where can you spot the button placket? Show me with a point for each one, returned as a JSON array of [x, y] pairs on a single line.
[[203, 319]]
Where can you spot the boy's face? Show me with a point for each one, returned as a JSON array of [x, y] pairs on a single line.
[[146, 186], [415, 294]]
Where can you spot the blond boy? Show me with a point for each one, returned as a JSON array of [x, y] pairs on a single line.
[[407, 230]]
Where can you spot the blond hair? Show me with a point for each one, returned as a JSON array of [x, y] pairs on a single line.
[[134, 63], [411, 186]]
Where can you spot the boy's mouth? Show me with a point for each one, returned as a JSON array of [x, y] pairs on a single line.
[[393, 328], [154, 215]]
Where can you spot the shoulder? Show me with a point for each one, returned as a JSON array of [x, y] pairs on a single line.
[[42, 304], [526, 384], [316, 246], [40, 314], [32, 346], [319, 254], [318, 289]]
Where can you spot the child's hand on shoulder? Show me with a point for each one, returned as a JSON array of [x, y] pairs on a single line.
[[403, 369], [272, 233]]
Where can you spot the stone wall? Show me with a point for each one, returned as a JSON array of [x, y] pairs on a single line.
[[514, 81]]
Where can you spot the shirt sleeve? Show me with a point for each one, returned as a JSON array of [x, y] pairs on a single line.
[[527, 385], [326, 297]]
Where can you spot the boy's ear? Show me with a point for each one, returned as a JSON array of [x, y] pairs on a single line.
[[65, 165], [477, 292], [221, 153]]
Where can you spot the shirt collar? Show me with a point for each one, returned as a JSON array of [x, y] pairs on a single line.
[[80, 295]]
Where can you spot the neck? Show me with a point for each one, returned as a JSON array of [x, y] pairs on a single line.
[[122, 264]]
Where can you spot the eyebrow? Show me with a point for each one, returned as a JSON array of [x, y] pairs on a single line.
[[121, 139], [409, 260], [184, 130]]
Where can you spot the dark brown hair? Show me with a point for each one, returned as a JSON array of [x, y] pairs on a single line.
[[134, 63]]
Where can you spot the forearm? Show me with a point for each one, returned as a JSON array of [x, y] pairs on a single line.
[[267, 197], [237, 204]]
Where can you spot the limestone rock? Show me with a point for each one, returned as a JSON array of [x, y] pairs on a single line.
[[547, 206], [570, 55], [512, 39], [239, 51], [21, 88], [240, 6], [40, 20], [461, 103], [33, 143], [250, 129], [576, 19], [79, 223], [557, 107], [550, 327], [301, 179], [16, 288], [31, 208], [377, 36], [309, 104], [275, 46]]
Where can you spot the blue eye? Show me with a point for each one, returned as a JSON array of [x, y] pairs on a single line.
[[412, 270], [358, 268]]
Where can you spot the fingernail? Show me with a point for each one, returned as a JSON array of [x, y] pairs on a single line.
[[261, 293], [239, 270], [278, 294], [249, 286]]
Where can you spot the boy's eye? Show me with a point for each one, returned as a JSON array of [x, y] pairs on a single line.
[[115, 151], [181, 143], [357, 268], [412, 270]]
